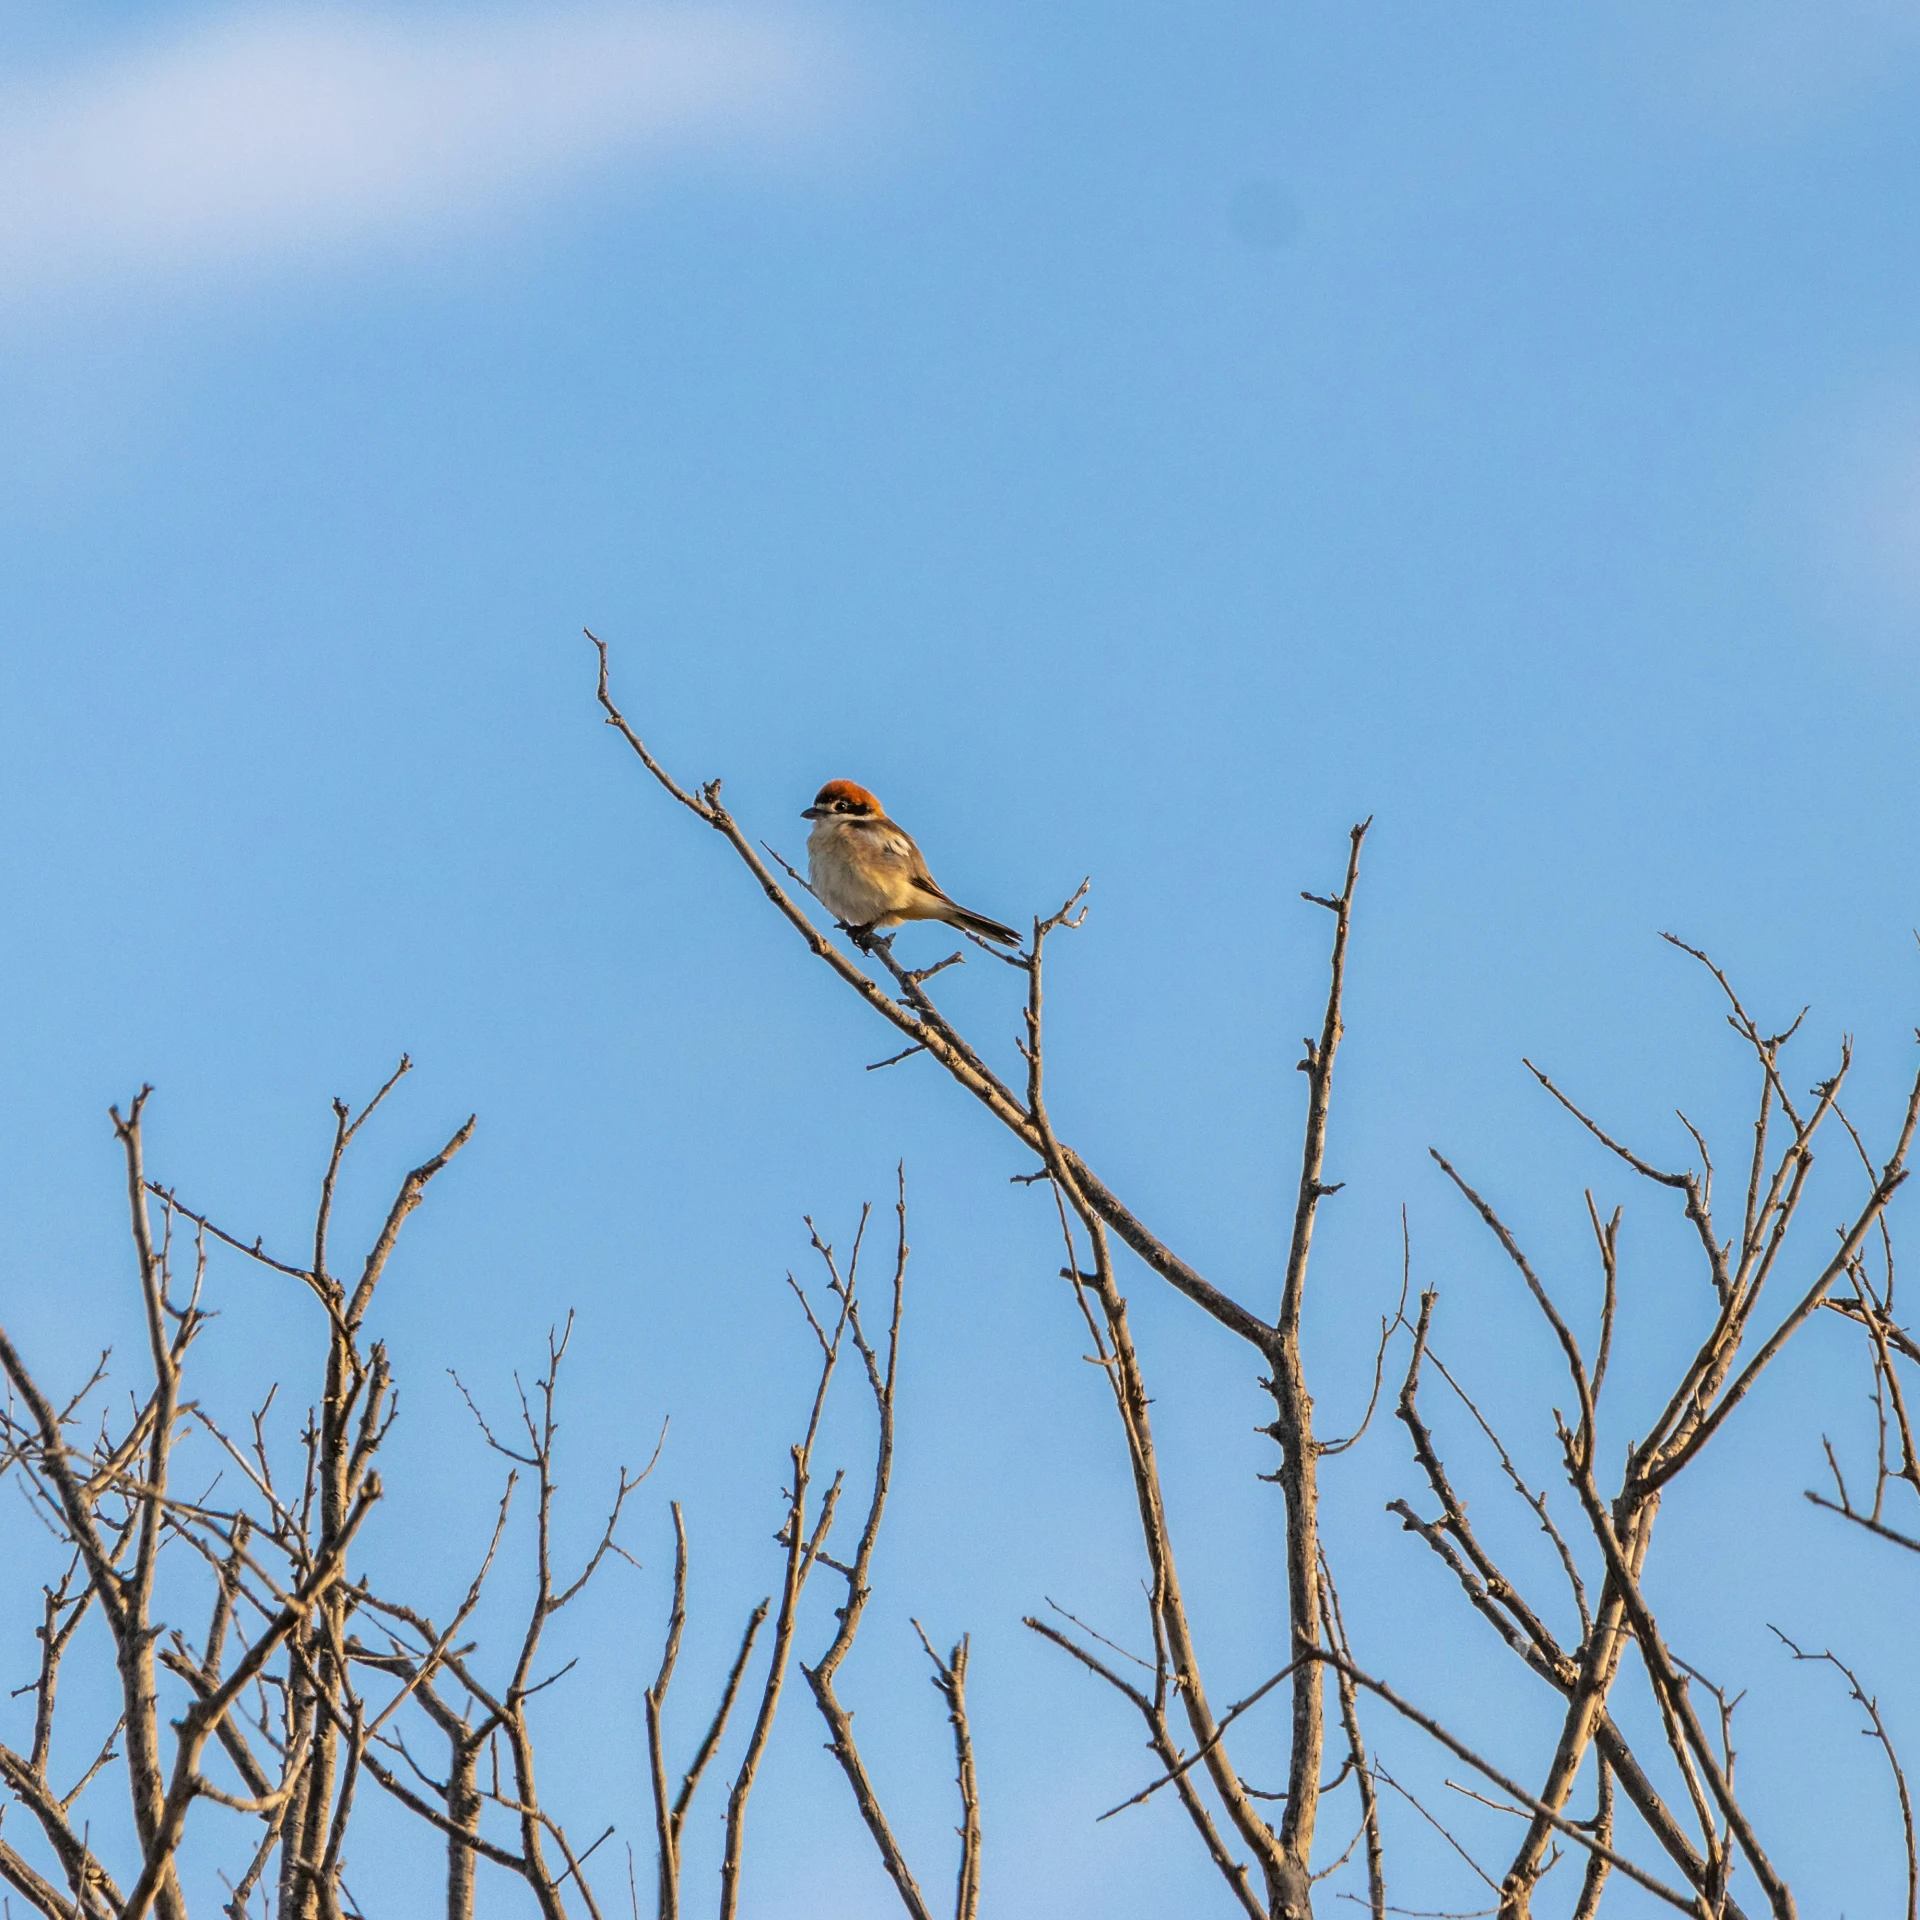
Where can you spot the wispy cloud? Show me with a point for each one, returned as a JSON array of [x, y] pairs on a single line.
[[1847, 506], [256, 136], [1771, 65]]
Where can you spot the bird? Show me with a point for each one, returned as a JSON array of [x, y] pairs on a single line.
[[866, 871]]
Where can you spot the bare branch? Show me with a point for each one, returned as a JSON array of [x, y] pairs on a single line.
[[1461, 1751], [1877, 1730], [820, 1678], [950, 1677]]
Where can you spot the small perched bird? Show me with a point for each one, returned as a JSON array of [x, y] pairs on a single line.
[[868, 873]]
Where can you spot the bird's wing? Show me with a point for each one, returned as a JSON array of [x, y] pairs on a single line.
[[891, 847]]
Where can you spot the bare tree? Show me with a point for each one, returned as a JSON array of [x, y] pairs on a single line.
[[315, 1685], [1278, 1879], [310, 1676], [280, 1693], [805, 1537], [1708, 1386], [1268, 1869]]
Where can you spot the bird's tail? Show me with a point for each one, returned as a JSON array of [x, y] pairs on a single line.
[[980, 924]]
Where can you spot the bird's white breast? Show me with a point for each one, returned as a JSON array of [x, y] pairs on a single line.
[[858, 873]]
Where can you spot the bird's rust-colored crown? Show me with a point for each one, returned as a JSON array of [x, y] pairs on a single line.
[[857, 797]]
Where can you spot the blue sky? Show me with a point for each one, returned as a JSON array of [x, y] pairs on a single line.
[[1136, 442]]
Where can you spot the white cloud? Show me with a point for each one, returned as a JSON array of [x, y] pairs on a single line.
[[1876, 547], [1766, 65], [259, 135], [1848, 502]]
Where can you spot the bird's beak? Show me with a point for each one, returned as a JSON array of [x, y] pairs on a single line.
[[810, 813]]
